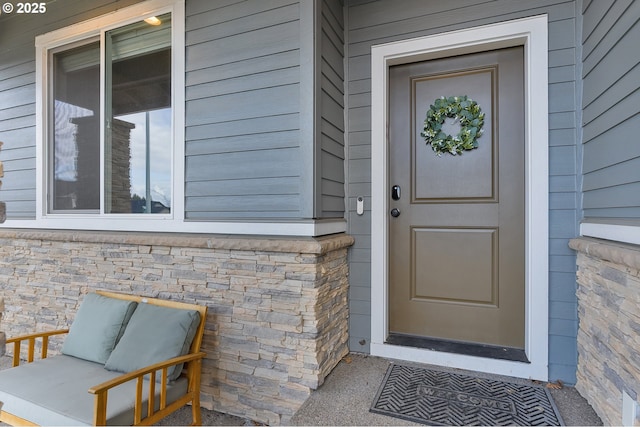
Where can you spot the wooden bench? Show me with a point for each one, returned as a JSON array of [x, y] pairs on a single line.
[[109, 373]]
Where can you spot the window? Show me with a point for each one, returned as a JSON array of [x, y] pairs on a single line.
[[108, 96]]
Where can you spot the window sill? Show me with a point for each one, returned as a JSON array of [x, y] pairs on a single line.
[[164, 224]]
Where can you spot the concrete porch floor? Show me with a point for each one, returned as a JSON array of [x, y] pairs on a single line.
[[345, 397]]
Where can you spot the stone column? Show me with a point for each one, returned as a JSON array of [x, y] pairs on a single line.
[[2, 336]]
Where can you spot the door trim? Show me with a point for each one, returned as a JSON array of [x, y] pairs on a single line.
[[532, 34]]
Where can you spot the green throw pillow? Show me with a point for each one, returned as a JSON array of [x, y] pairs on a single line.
[[99, 323], [154, 334]]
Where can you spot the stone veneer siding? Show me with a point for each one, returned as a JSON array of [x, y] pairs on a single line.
[[278, 309], [3, 337], [609, 330]]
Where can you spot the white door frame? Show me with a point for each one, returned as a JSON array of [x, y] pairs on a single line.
[[531, 33]]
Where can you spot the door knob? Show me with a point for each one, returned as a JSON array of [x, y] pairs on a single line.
[[395, 213]]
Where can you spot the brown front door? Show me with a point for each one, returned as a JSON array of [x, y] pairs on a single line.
[[457, 244]]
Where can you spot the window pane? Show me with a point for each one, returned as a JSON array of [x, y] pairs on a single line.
[[76, 129], [138, 107]]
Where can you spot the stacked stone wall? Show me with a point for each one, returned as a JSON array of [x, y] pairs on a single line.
[[3, 338], [278, 308], [609, 329]]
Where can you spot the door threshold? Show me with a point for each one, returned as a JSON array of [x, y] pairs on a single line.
[[458, 347]]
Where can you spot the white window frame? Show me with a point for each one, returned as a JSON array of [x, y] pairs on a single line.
[[175, 221], [87, 30]]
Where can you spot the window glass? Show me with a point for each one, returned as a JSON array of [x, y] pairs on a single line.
[[76, 129], [128, 168], [138, 140]]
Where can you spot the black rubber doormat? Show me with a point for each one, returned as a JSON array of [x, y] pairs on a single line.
[[435, 397]]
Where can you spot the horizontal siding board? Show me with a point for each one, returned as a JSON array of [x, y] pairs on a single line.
[[561, 183], [615, 146], [562, 224], [331, 125], [334, 167], [562, 57], [199, 7], [599, 25], [18, 96], [252, 187], [252, 126], [412, 23], [562, 160], [558, 137], [620, 196], [333, 147], [592, 16], [613, 175], [608, 213], [332, 206], [330, 131], [332, 112], [332, 86], [562, 200], [257, 81], [240, 143], [619, 112], [565, 120], [562, 97], [21, 153], [613, 65], [19, 179], [243, 165], [333, 12], [233, 11], [561, 74], [243, 105], [360, 138], [333, 188], [622, 89], [560, 247], [246, 67], [563, 327], [562, 34], [208, 215], [248, 23], [333, 56], [259, 43], [613, 26], [16, 123], [244, 203]]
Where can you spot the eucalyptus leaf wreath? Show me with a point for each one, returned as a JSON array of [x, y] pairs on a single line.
[[462, 109]]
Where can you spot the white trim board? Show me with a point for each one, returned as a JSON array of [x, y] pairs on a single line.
[[532, 34], [616, 232]]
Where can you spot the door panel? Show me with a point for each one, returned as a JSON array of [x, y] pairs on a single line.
[[457, 246]]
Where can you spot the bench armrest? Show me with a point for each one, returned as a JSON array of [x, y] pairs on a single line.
[[31, 338], [101, 390]]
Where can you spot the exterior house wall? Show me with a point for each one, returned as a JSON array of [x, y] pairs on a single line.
[[371, 23], [278, 313], [332, 125], [611, 103], [243, 108], [18, 94], [608, 369], [247, 96], [264, 140]]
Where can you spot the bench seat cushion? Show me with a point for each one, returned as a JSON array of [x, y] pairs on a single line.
[[53, 391]]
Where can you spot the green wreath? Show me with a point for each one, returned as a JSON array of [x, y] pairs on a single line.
[[462, 108]]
